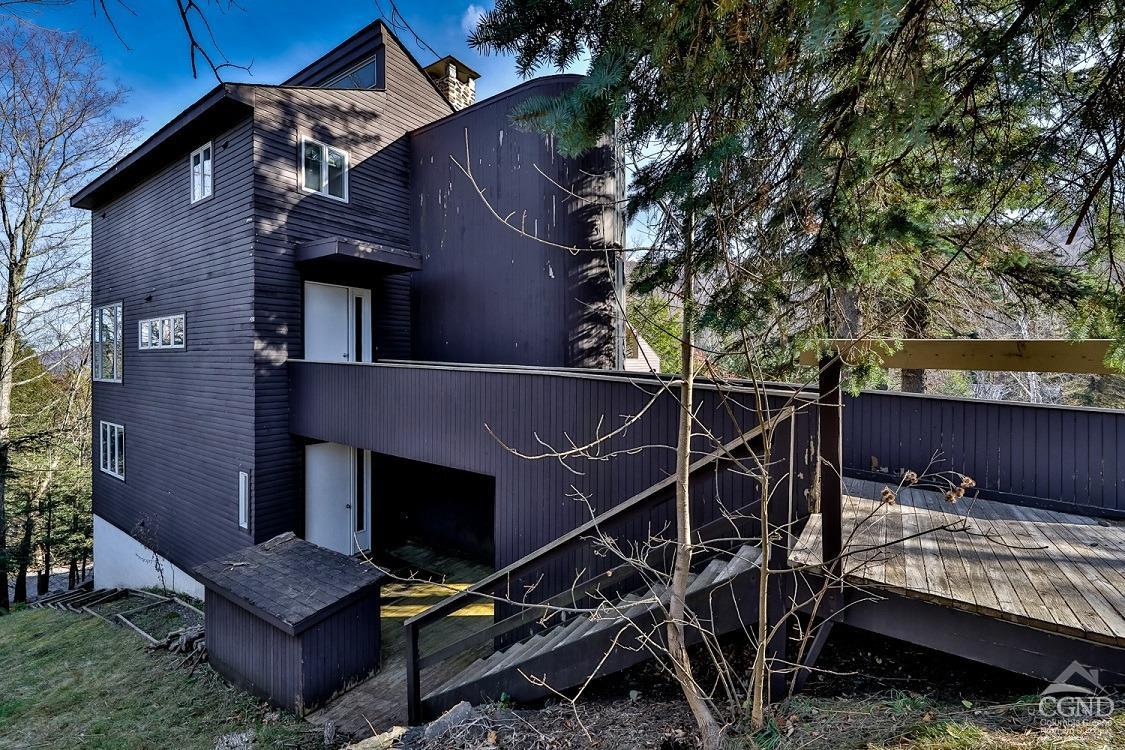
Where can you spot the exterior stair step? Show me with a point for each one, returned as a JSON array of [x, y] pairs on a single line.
[[582, 640], [561, 632], [746, 558], [516, 653], [708, 576], [576, 634]]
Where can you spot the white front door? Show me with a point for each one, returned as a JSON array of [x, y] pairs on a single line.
[[329, 473], [338, 497], [337, 323]]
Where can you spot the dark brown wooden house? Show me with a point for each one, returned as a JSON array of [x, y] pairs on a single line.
[[320, 221], [343, 308]]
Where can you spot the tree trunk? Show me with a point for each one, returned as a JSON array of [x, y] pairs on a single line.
[[4, 603], [44, 583], [916, 325], [23, 559], [760, 670], [709, 730], [15, 279]]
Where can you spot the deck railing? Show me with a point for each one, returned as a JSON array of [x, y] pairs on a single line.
[[1056, 457]]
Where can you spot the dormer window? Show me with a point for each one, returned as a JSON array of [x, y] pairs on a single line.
[[363, 76], [324, 170], [200, 173]]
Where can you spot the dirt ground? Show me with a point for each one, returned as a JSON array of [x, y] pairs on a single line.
[[873, 693]]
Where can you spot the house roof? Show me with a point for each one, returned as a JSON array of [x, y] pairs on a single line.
[[224, 104], [221, 104], [437, 67], [291, 583]]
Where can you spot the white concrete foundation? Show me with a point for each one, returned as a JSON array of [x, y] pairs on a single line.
[[123, 562]]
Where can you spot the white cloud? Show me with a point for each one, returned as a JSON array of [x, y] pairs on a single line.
[[471, 17]]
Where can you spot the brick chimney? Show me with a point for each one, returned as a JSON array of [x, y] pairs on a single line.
[[455, 80]]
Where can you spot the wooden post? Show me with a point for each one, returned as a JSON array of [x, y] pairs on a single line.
[[413, 689], [830, 413]]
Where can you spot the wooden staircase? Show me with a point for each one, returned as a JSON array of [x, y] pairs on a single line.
[[613, 636], [608, 612]]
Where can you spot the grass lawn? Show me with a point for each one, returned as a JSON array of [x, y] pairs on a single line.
[[915, 722], [69, 681]]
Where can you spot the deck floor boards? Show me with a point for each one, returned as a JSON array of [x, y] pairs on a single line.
[[1054, 571], [379, 703]]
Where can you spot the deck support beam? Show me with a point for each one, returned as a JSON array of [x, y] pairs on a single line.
[[981, 638], [804, 669], [831, 467]]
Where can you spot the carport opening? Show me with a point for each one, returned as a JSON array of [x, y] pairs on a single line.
[[436, 508]]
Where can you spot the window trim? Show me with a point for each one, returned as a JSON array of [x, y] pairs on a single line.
[[379, 85], [159, 347], [191, 177], [103, 462], [323, 171], [244, 492], [95, 341]]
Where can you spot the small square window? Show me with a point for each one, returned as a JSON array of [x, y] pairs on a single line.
[[324, 170], [201, 182]]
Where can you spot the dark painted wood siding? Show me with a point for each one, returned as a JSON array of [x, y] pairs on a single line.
[[1067, 458], [340, 650], [298, 672], [188, 414], [251, 653], [486, 292], [372, 127], [443, 415]]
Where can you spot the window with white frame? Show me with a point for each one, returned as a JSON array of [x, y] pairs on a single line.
[[106, 327], [201, 173], [244, 499], [162, 333], [324, 170], [112, 449]]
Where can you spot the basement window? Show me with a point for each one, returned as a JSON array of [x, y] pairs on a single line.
[[161, 333], [112, 449], [106, 327], [324, 170], [201, 173]]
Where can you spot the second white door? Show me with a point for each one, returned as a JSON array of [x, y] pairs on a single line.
[[337, 323], [338, 497]]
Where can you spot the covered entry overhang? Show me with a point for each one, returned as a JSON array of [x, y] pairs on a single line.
[[337, 256]]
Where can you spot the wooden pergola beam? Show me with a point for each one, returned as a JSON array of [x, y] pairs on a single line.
[[1085, 356]]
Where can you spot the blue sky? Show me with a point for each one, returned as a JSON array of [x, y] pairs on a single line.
[[274, 37]]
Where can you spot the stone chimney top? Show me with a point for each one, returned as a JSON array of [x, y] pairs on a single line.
[[455, 80]]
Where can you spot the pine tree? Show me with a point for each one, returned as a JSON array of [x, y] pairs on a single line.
[[814, 167]]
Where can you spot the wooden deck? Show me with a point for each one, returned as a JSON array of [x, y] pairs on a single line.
[[1053, 571], [379, 703]]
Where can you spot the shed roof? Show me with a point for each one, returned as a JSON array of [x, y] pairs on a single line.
[[289, 582]]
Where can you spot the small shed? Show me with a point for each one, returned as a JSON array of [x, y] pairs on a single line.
[[291, 622]]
